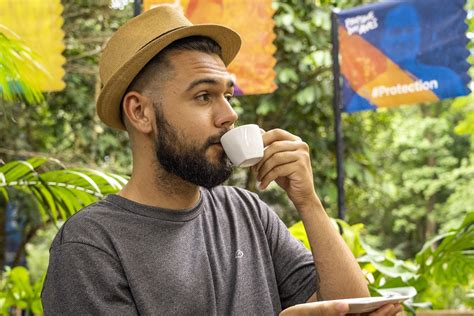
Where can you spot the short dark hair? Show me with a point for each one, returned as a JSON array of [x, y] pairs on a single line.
[[160, 64]]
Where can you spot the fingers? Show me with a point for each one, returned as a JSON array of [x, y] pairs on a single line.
[[286, 160], [318, 309], [282, 148], [273, 150], [277, 135], [335, 308], [284, 170], [282, 165], [388, 309]]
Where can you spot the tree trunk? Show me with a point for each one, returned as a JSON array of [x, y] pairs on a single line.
[[430, 227], [430, 222], [3, 233], [29, 235]]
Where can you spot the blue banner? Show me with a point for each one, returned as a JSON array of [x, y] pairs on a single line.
[[403, 52]]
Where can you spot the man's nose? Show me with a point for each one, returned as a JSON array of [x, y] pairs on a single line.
[[226, 115]]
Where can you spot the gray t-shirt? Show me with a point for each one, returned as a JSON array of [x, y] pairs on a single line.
[[230, 254]]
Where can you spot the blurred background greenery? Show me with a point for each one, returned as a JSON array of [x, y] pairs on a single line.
[[409, 170]]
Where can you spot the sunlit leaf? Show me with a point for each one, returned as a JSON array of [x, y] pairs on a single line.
[[59, 193]]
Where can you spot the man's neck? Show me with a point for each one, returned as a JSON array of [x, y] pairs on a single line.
[[151, 185]]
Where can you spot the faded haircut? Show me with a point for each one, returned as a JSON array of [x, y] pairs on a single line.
[[159, 68]]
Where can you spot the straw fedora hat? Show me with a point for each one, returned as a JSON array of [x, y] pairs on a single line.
[[136, 42]]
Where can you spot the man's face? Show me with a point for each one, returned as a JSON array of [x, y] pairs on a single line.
[[192, 114], [401, 40]]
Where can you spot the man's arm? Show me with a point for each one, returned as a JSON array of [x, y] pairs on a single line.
[[340, 274], [287, 161]]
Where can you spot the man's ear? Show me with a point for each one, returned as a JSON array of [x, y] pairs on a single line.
[[138, 112]]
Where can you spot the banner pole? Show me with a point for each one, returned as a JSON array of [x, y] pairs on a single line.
[[341, 209], [137, 9]]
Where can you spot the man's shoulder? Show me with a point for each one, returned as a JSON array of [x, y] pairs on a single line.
[[87, 224], [97, 211], [237, 200]]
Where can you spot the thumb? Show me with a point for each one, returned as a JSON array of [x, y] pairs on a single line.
[[335, 308], [318, 309]]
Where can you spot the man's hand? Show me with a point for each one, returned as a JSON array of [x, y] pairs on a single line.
[[336, 309], [286, 160]]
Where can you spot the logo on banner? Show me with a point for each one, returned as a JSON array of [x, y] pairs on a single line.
[[417, 86], [361, 24], [395, 53]]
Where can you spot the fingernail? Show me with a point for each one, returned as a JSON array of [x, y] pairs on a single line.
[[342, 307]]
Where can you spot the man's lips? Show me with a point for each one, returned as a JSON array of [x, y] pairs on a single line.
[[216, 144], [216, 140]]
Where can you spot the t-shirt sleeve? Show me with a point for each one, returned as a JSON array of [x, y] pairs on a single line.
[[296, 275], [85, 280]]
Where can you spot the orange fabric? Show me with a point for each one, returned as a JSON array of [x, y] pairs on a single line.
[[253, 66], [38, 24], [367, 69]]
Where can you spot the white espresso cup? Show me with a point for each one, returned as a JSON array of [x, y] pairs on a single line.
[[243, 145]]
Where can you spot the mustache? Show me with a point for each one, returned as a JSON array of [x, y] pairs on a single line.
[[216, 139]]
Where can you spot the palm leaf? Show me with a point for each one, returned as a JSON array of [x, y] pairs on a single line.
[[61, 192]]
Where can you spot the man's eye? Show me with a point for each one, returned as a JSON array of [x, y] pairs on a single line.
[[203, 97], [229, 97]]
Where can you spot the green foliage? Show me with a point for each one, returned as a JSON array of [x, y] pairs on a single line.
[[445, 265], [17, 291], [409, 171], [451, 263], [390, 184], [351, 236], [66, 126], [20, 287], [394, 205], [59, 193], [421, 160], [78, 135], [406, 168], [302, 104], [37, 251], [298, 231], [465, 106], [407, 175]]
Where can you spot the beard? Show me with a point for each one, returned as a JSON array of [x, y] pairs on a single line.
[[188, 160]]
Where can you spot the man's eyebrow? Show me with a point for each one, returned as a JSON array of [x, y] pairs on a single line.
[[230, 83]]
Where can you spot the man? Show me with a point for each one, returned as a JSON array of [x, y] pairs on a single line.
[[173, 241]]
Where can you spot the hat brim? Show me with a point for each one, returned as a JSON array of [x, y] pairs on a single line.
[[111, 94]]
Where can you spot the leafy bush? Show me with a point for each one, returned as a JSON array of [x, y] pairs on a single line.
[[442, 271], [17, 291]]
